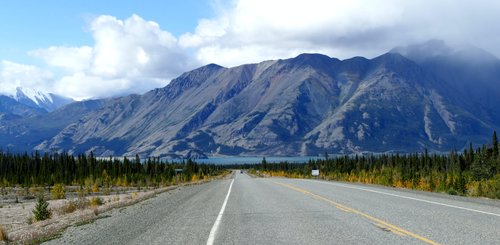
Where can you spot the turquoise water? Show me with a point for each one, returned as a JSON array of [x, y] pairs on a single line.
[[252, 160], [233, 160]]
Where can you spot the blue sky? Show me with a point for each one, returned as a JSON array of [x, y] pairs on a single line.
[[28, 25], [88, 49]]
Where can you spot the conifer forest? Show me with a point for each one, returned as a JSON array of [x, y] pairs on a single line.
[[473, 172]]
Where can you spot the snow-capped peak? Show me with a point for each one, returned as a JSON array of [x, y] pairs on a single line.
[[36, 96], [37, 99]]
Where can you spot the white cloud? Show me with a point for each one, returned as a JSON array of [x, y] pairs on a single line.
[[15, 75], [134, 47], [128, 56], [91, 86], [70, 58], [135, 55], [255, 30]]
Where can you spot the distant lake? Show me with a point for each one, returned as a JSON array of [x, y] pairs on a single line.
[[231, 160], [251, 160]]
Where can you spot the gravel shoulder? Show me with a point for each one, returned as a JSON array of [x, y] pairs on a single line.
[[181, 216], [16, 224]]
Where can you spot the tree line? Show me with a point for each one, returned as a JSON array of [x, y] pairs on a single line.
[[47, 169], [473, 172]]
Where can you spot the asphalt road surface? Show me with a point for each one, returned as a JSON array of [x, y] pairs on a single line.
[[246, 210]]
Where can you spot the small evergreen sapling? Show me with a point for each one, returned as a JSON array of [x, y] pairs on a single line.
[[41, 211]]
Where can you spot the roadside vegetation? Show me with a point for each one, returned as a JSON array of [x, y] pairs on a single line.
[[40, 195], [58, 176], [41, 211], [72, 188], [93, 174], [473, 172], [3, 235]]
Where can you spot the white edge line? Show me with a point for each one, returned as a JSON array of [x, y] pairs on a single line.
[[405, 197], [211, 237]]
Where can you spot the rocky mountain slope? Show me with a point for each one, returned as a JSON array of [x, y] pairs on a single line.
[[20, 133], [11, 108], [473, 72], [307, 105]]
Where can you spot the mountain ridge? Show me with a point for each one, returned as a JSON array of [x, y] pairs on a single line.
[[48, 102], [307, 105]]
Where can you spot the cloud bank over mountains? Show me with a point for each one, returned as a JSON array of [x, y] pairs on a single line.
[[131, 55], [134, 55]]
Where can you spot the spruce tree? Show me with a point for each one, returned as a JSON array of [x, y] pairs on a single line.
[[470, 157], [479, 168], [41, 211], [495, 144], [264, 163], [460, 185]]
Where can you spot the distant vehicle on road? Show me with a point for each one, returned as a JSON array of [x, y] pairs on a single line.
[[241, 171]]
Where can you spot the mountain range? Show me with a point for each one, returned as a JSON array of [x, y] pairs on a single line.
[[29, 102], [426, 96]]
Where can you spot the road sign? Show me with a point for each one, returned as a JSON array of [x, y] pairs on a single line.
[[315, 172]]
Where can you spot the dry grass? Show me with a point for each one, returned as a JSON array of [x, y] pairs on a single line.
[[96, 201], [133, 195], [67, 208], [29, 219], [3, 234], [58, 192], [80, 211], [81, 203]]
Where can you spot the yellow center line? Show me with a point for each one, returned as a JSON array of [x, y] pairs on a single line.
[[343, 209], [391, 230], [392, 227], [399, 233]]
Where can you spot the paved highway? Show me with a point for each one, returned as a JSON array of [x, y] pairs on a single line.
[[245, 210]]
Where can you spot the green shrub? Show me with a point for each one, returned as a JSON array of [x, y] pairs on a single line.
[[41, 211]]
